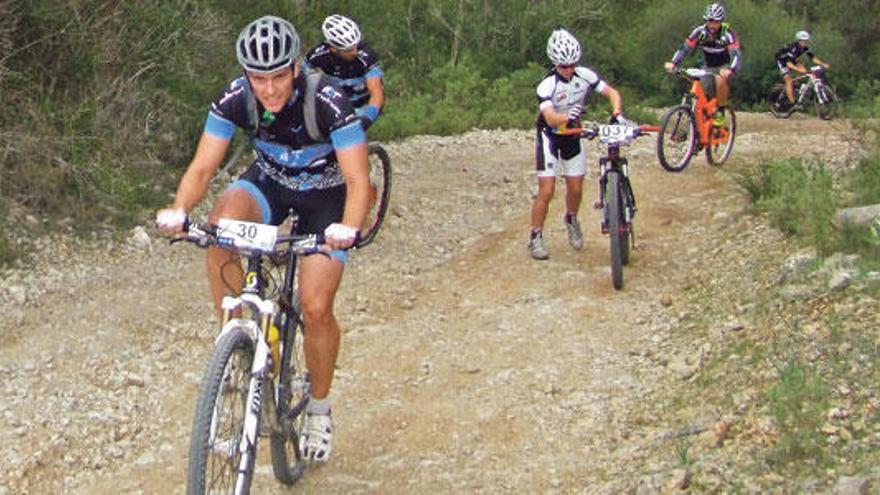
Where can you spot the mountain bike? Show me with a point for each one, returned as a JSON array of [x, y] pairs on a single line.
[[687, 128], [257, 371], [616, 197], [810, 88], [380, 191]]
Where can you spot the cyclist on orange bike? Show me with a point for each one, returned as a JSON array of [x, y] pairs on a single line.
[[787, 61], [721, 53], [350, 62], [325, 182], [561, 97]]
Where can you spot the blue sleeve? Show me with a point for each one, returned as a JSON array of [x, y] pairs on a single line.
[[369, 111], [374, 71], [349, 135], [219, 127]]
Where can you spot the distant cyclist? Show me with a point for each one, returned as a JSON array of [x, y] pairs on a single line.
[[348, 60], [721, 53], [787, 61], [561, 97]]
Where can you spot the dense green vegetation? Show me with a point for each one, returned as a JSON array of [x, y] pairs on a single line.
[[103, 100]]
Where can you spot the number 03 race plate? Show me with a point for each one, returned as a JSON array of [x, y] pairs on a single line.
[[247, 235]]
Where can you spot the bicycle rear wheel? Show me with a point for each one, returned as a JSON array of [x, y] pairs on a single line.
[[292, 393], [615, 227], [826, 102], [778, 101], [218, 422], [380, 191], [676, 140], [721, 139]]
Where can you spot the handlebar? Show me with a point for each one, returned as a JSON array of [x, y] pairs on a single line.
[[206, 235], [593, 132]]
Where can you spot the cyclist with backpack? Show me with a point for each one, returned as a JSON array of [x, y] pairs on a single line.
[[320, 173], [787, 61], [561, 97], [347, 59], [721, 53]]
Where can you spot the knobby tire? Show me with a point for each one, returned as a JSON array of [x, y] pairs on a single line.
[[827, 110], [717, 154], [677, 140], [287, 463], [778, 101], [380, 180], [615, 224], [226, 379]]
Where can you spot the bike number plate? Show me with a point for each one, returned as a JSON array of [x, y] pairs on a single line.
[[247, 235], [611, 134]]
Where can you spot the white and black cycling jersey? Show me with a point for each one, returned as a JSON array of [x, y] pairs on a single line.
[[562, 94]]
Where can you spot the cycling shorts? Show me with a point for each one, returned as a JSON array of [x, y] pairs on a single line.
[[559, 155], [316, 209]]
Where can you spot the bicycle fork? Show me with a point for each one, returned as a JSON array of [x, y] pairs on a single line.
[[627, 198]]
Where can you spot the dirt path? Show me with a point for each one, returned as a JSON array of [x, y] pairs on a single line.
[[466, 366]]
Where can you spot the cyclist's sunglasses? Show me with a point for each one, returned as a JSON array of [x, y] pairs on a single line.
[[566, 66]]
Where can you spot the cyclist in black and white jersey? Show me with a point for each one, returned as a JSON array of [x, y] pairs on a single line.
[[561, 97], [326, 182], [721, 53], [787, 61], [347, 59]]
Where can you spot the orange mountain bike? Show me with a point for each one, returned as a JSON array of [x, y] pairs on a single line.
[[689, 127]]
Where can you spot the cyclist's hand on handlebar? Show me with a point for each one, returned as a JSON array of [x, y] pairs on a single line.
[[669, 66], [171, 220], [574, 115], [619, 119], [340, 236]]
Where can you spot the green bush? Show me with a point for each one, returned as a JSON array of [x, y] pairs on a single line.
[[798, 197]]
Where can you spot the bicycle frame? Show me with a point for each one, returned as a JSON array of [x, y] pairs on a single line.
[[703, 109], [254, 313], [252, 297]]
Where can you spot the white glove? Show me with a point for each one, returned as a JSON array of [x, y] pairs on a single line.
[[170, 220], [339, 235], [575, 113], [621, 120]]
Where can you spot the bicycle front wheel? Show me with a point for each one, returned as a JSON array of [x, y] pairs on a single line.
[[380, 193], [218, 422], [677, 139], [615, 227], [293, 393], [826, 102], [627, 210], [721, 139]]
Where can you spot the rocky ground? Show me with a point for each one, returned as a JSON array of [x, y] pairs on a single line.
[[466, 366]]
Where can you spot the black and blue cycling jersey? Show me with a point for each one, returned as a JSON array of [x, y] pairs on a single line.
[[792, 52], [350, 76], [283, 147]]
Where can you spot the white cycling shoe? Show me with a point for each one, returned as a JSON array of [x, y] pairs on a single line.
[[316, 439]]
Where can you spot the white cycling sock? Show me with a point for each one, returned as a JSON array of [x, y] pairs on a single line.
[[318, 406]]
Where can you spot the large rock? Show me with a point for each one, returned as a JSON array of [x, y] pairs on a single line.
[[861, 215]]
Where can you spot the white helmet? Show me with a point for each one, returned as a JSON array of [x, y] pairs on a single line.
[[341, 32], [715, 12], [563, 48], [802, 36], [267, 44]]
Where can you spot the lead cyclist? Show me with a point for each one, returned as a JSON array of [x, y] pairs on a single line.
[[325, 182]]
